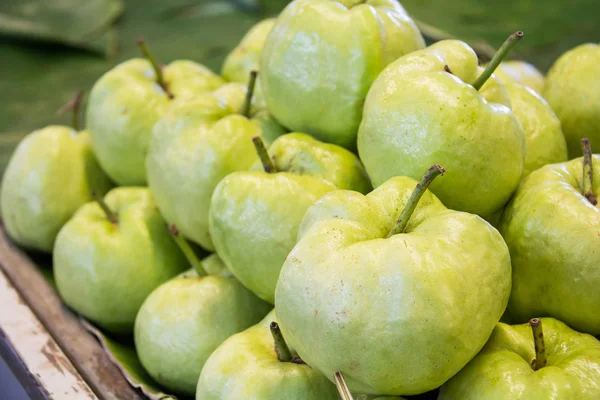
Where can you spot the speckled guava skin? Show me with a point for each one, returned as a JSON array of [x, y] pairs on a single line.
[[49, 176], [254, 215], [104, 271], [502, 370], [416, 114], [397, 315], [185, 319], [246, 366], [545, 142], [521, 72], [124, 105], [315, 78], [553, 233], [572, 89]]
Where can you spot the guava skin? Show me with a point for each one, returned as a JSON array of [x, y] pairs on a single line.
[[416, 114], [49, 176], [255, 216], [553, 233], [246, 366], [245, 58], [104, 271], [520, 72], [398, 315], [572, 88], [185, 319], [545, 142], [315, 78], [198, 142], [124, 105], [502, 370]]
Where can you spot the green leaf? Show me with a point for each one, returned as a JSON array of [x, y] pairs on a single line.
[[86, 24], [122, 353]]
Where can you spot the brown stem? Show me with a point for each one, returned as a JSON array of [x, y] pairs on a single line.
[[402, 221], [73, 105], [538, 342], [588, 172], [447, 69], [281, 348], [342, 388], [160, 78], [110, 214], [249, 94]]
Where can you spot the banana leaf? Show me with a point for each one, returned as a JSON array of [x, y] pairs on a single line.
[[83, 24]]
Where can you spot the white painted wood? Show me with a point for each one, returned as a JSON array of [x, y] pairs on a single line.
[[40, 353]]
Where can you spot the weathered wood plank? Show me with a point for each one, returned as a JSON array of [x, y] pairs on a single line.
[[82, 349], [50, 371]]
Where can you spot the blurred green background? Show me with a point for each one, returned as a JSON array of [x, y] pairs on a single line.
[[51, 48]]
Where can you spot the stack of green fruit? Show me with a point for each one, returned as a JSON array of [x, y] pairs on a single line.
[[344, 264]]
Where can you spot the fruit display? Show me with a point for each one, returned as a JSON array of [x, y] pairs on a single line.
[[258, 364], [255, 215], [198, 142], [185, 319], [542, 359], [35, 205], [432, 106], [402, 261], [342, 212], [315, 78], [112, 254], [552, 224], [128, 100]]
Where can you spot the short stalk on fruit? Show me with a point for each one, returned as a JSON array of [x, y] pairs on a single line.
[[411, 205], [73, 105], [588, 172], [110, 214], [249, 94], [538, 342], [263, 154], [498, 57], [187, 250], [281, 348], [160, 78]]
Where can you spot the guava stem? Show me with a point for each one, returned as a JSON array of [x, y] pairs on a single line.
[[263, 154], [416, 195], [538, 343], [249, 94], [187, 250], [73, 105], [447, 69], [342, 388], [281, 348], [110, 214], [588, 172], [160, 78], [497, 59]]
